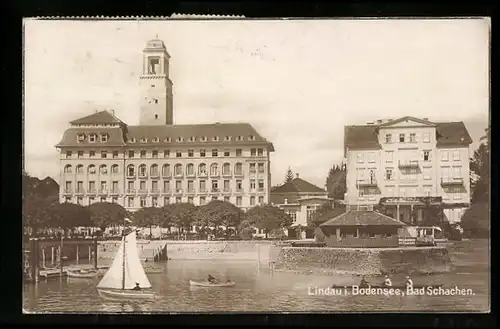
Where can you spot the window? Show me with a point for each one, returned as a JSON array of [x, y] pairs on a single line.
[[227, 138], [104, 138], [190, 153], [178, 199], [427, 173], [79, 187], [143, 153], [427, 155], [203, 200], [142, 170], [202, 169], [388, 138], [114, 187], [92, 186], [251, 137], [253, 152], [156, 102], [427, 137], [227, 153], [131, 140], [192, 139], [166, 200], [178, 154], [92, 138], [142, 185], [457, 172], [402, 191], [143, 202], [309, 212], [444, 155], [456, 155], [371, 157], [79, 169], [204, 139], [202, 153], [104, 154], [360, 157], [178, 170], [165, 170], [226, 185], [80, 138], [252, 201], [389, 174], [261, 199], [91, 154], [190, 169], [445, 173], [115, 154], [167, 140], [190, 186], [215, 138], [156, 139], [238, 169], [166, 186], [203, 186], [239, 138], [239, 186], [131, 154], [155, 154], [427, 190], [261, 185], [260, 152], [154, 170], [154, 201], [238, 201], [226, 169], [67, 169], [401, 138], [153, 65], [252, 184], [67, 188], [238, 152], [215, 186], [91, 169], [413, 138], [103, 169], [80, 154], [166, 153], [214, 169], [214, 153], [389, 156], [252, 168], [68, 154], [260, 167], [104, 186]]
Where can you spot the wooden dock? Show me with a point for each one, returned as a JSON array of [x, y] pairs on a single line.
[[56, 273]]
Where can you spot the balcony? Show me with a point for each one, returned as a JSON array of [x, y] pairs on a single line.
[[458, 181], [191, 191], [408, 164], [366, 182], [238, 174], [226, 173], [103, 191], [131, 191], [214, 174], [178, 191], [68, 191], [115, 192], [190, 174], [155, 175], [92, 191], [167, 191], [214, 191], [178, 175], [260, 189], [131, 175], [202, 174], [155, 191], [203, 190], [143, 191], [143, 175], [166, 174], [239, 190], [226, 191]]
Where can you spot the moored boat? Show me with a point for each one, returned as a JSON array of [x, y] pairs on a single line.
[[126, 278], [209, 284], [84, 274]]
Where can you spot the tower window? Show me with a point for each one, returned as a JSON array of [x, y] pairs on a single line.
[[153, 67], [167, 140], [155, 101], [156, 116], [152, 86]]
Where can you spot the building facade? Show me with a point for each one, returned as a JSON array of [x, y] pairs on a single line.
[[158, 162], [299, 199], [404, 163]]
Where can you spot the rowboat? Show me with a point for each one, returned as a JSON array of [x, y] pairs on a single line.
[[208, 284], [125, 274], [84, 274], [415, 286]]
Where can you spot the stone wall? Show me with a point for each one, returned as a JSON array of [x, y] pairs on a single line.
[[372, 261], [230, 250]]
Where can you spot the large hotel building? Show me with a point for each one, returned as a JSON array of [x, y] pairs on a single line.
[[156, 162], [404, 162]]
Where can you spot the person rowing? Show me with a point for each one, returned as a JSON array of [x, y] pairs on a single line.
[[211, 279], [408, 282], [387, 281]]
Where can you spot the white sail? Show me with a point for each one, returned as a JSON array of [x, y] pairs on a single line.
[[134, 272]]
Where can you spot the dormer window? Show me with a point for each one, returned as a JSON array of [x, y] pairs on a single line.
[[104, 138], [144, 140], [92, 138], [239, 138], [131, 140], [167, 140], [80, 138], [227, 138], [156, 140], [215, 139], [192, 139], [251, 137], [204, 139], [179, 139]]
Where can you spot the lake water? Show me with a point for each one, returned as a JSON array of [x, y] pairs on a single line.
[[261, 290]]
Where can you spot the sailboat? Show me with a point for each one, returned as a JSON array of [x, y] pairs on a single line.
[[125, 273]]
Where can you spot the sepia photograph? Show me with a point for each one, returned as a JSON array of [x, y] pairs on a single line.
[[227, 164]]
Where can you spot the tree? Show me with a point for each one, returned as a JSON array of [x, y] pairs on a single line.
[[148, 217], [476, 220], [182, 215], [69, 215], [336, 182], [36, 213], [218, 213], [268, 218], [288, 175], [480, 168], [106, 214]]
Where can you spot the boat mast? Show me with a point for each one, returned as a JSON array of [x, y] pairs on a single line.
[[123, 264]]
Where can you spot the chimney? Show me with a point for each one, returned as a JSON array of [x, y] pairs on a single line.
[[297, 175], [286, 200], [113, 112]]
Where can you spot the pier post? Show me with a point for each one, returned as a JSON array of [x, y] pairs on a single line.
[[52, 256], [33, 258], [43, 257], [90, 254], [258, 255], [77, 256], [95, 253], [61, 255]]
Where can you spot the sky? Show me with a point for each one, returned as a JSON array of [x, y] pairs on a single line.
[[298, 82]]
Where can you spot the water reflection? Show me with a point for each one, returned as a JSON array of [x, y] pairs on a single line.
[[261, 290]]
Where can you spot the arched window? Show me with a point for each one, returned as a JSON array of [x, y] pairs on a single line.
[[154, 170], [202, 169], [91, 169], [190, 169], [79, 169], [103, 169], [178, 170], [165, 171], [214, 169], [67, 169], [226, 169], [115, 169], [238, 168], [130, 170], [142, 170]]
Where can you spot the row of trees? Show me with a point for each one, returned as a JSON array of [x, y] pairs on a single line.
[[42, 210]]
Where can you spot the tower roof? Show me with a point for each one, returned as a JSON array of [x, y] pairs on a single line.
[[155, 45]]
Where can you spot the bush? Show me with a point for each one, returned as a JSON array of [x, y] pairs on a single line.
[[476, 221]]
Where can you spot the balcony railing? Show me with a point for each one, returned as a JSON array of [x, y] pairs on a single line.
[[202, 174], [227, 190], [191, 191], [238, 173], [190, 174], [155, 174], [226, 173], [167, 191], [155, 191], [178, 191], [143, 175], [131, 191], [92, 191], [143, 191], [203, 190], [131, 175], [68, 191], [115, 192], [179, 174], [166, 174], [367, 182], [458, 181], [214, 190], [103, 191], [260, 189], [214, 174], [408, 164], [239, 190]]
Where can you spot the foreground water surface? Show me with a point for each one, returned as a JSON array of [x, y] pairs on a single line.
[[259, 290]]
